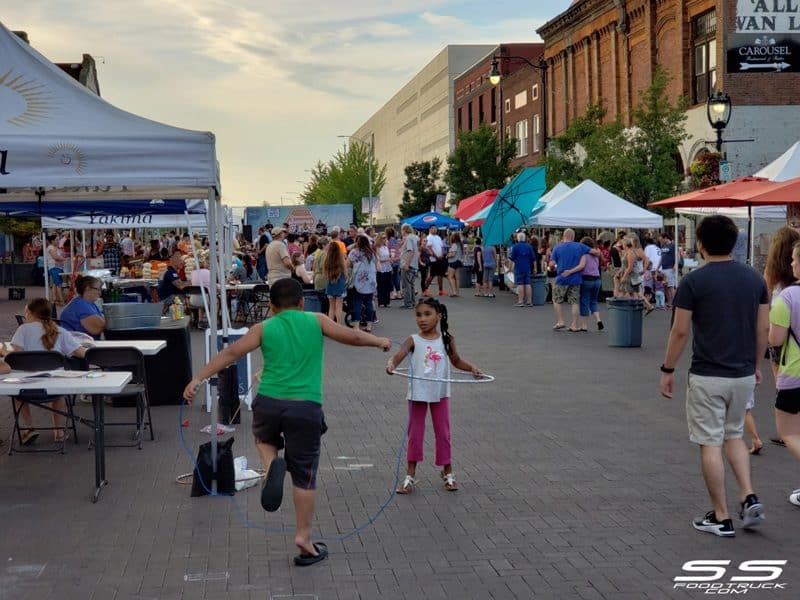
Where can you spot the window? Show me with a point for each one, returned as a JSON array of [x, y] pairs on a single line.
[[521, 99], [508, 105], [469, 116], [508, 133], [480, 110], [494, 104], [535, 92], [459, 118], [704, 48], [536, 132], [522, 138]]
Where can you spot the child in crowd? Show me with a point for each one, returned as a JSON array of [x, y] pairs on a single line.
[[428, 385], [658, 286], [647, 285], [40, 332]]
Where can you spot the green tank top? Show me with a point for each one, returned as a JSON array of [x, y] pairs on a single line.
[[291, 343]]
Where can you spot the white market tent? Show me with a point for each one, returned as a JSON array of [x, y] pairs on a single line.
[[558, 190], [783, 168], [588, 205], [60, 142]]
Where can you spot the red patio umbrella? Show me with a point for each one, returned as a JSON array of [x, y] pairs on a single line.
[[469, 206]]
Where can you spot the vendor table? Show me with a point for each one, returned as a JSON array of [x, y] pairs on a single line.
[[94, 384], [146, 347], [170, 369]]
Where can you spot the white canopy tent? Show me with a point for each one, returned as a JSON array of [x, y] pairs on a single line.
[[59, 141], [558, 190], [783, 168], [588, 205]]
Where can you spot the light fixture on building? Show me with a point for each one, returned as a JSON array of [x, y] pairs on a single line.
[[494, 74], [718, 111]]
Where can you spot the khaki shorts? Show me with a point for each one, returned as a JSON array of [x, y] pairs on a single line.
[[715, 407], [570, 294]]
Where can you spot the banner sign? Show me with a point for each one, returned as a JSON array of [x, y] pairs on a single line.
[[375, 205], [301, 218], [440, 202], [125, 222], [763, 53], [768, 16]]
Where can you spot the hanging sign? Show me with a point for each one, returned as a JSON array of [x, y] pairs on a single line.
[[763, 53]]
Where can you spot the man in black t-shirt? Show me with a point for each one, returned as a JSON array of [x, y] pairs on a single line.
[[726, 305]]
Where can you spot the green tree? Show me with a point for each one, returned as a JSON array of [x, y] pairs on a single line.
[[638, 163], [344, 179], [421, 187], [479, 162]]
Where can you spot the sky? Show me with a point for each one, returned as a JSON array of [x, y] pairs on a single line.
[[276, 81]]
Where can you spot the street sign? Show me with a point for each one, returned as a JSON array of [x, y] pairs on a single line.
[[763, 53], [725, 171]]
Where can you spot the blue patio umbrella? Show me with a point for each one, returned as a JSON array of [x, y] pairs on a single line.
[[429, 219], [513, 206]]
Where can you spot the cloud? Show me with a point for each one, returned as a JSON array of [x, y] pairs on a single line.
[[442, 20]]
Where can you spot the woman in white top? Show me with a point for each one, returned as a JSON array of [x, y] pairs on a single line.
[[39, 332]]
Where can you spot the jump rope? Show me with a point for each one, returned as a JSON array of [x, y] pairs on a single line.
[[403, 372]]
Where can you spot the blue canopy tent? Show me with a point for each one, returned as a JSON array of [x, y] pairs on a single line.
[[430, 219], [513, 206]]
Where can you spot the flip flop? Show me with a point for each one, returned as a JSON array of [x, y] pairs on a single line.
[[305, 560], [754, 451], [571, 330], [557, 327], [777, 441], [272, 490]]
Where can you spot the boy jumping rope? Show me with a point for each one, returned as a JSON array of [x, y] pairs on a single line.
[[288, 407]]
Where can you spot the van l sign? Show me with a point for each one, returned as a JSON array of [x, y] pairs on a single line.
[[768, 16]]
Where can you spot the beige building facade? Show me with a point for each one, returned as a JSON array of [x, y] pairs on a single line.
[[417, 123]]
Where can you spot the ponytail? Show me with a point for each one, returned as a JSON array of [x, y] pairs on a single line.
[[42, 311]]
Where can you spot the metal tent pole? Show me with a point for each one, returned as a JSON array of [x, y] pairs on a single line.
[[212, 322]]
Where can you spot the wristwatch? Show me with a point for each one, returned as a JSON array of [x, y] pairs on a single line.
[[666, 370]]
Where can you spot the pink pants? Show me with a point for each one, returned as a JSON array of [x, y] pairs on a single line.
[[440, 415]]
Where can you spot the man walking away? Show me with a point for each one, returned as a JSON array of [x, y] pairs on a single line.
[[727, 306], [409, 265], [566, 257]]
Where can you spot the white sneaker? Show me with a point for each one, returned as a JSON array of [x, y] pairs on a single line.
[[794, 497]]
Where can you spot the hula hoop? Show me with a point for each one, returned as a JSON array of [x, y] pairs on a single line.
[[482, 378]]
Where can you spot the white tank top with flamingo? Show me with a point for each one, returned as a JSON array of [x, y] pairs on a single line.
[[428, 361]]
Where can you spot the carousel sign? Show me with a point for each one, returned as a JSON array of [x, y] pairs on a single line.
[[763, 53]]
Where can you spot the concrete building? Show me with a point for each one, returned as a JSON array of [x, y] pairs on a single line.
[[609, 49], [513, 107], [417, 124]]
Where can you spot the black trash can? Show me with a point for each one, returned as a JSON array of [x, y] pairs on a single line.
[[464, 275], [539, 290], [625, 322], [312, 301]]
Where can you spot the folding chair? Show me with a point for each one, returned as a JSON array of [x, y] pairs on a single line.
[[126, 359], [45, 360]]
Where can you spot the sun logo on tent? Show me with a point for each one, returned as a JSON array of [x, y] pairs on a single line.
[[24, 102], [68, 155]]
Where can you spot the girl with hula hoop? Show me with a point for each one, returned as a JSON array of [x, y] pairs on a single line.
[[432, 353]]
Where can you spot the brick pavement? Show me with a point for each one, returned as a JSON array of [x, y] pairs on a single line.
[[577, 482]]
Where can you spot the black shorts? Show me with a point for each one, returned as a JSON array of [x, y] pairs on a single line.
[[479, 277], [438, 268], [297, 424], [788, 401], [455, 265]]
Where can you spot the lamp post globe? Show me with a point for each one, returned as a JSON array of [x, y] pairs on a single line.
[[494, 74], [718, 112]]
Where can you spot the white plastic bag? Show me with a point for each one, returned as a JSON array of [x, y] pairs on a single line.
[[245, 477]]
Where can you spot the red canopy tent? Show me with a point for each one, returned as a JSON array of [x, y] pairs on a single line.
[[469, 206], [744, 191]]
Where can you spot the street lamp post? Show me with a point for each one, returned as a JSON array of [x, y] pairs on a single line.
[[371, 145], [718, 111], [495, 77]]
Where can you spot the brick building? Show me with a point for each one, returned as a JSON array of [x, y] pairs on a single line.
[[609, 49], [513, 107]]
